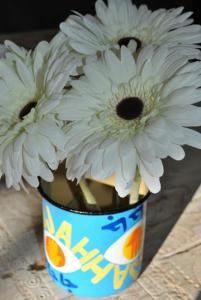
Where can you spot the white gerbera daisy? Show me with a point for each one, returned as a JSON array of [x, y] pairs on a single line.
[[129, 113], [122, 23], [31, 86]]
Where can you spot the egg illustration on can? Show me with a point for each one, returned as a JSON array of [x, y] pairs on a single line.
[[59, 256], [127, 247]]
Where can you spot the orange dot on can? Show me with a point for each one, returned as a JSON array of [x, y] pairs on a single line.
[[133, 243], [54, 252]]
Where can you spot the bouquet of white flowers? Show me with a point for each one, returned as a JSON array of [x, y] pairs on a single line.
[[112, 94], [106, 99]]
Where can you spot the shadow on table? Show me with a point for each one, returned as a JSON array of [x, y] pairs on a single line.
[[179, 184], [199, 296], [19, 256]]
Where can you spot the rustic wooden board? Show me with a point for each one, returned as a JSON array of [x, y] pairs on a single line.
[[172, 256], [29, 39]]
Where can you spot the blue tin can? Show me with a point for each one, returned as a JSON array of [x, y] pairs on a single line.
[[93, 254]]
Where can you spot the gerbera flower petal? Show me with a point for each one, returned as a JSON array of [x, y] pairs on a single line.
[[176, 152], [139, 120], [32, 180], [32, 86], [192, 138], [128, 157], [121, 22], [31, 163], [152, 182], [45, 173], [47, 151], [96, 79], [184, 95], [180, 82], [185, 115], [25, 76]]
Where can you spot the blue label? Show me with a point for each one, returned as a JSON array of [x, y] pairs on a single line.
[[93, 255]]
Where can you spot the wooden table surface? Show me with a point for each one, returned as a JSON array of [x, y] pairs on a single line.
[[172, 255]]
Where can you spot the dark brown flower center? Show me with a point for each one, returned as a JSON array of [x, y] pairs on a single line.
[[125, 41], [76, 76], [130, 108], [26, 109]]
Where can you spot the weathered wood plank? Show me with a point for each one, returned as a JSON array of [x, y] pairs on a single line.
[[29, 39]]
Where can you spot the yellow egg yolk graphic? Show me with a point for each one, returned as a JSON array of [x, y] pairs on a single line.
[[133, 243], [54, 252]]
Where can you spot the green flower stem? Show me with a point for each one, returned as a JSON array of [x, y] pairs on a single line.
[[134, 194], [89, 197]]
